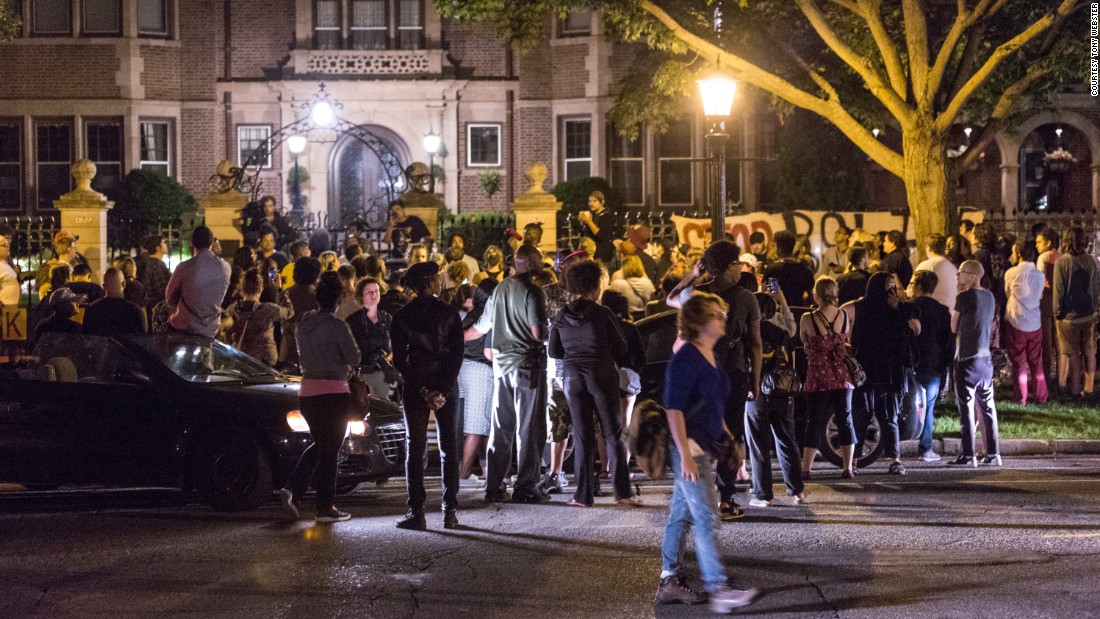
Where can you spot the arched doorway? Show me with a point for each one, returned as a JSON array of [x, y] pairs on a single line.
[[362, 182], [1049, 184]]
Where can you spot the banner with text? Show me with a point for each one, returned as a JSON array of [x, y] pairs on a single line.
[[818, 225]]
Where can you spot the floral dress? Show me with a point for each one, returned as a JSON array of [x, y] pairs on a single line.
[[825, 355]]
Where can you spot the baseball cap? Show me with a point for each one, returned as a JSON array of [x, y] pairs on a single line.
[[639, 236], [63, 295], [65, 235]]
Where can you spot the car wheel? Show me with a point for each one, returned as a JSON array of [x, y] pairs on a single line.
[[872, 445], [347, 487], [231, 471]]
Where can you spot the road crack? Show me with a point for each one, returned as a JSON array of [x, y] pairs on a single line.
[[825, 598]]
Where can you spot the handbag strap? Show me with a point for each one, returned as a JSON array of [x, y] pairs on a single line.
[[244, 329]]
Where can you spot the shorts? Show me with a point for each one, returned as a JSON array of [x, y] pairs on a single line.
[[558, 410], [1077, 338]]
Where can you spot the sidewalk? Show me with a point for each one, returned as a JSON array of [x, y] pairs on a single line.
[[1012, 447]]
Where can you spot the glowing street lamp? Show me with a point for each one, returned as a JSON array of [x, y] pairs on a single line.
[[322, 114], [432, 143], [717, 92]]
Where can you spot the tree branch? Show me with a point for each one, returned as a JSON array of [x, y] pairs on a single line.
[[944, 120], [848, 4], [1005, 106], [894, 104], [755, 76], [916, 42], [894, 70]]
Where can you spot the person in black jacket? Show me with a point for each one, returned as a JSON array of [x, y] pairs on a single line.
[[630, 380], [935, 349], [587, 337], [427, 350]]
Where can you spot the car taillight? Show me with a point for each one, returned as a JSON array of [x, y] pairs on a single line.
[[297, 422]]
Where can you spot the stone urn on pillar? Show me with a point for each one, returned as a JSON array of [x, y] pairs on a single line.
[[538, 206], [84, 213]]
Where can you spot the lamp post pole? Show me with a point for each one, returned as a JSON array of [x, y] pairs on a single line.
[[432, 142], [717, 94], [296, 144]]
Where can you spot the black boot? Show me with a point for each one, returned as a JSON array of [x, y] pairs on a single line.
[[413, 521], [450, 519]]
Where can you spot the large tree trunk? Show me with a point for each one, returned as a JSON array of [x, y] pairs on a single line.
[[928, 185]]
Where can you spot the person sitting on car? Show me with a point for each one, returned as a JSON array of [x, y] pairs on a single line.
[[63, 306], [113, 314]]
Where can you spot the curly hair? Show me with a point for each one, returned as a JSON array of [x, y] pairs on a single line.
[[719, 256], [584, 278]]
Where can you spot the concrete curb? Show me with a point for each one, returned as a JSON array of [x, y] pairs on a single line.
[[1013, 447]]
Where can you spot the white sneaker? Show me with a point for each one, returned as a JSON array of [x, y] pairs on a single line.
[[759, 503], [471, 482], [930, 456], [726, 599], [799, 498]]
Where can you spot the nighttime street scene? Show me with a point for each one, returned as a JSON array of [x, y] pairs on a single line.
[[549, 308]]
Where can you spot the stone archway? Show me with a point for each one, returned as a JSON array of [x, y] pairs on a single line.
[[1010, 145], [362, 183]]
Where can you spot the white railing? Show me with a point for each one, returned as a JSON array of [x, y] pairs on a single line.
[[357, 62]]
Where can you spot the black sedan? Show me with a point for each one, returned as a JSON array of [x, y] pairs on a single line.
[[172, 410]]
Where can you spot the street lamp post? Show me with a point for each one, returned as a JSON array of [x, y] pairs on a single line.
[[432, 142], [717, 94], [297, 145]]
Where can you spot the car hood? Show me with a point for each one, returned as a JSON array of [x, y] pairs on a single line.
[[284, 397]]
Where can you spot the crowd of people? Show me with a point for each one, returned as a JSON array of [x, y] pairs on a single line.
[[514, 354]]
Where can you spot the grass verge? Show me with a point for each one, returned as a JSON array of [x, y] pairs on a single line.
[[1059, 418]]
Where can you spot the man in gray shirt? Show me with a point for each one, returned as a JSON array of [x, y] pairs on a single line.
[[972, 320], [197, 288], [516, 315]]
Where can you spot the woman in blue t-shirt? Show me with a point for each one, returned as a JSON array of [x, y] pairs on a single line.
[[695, 396]]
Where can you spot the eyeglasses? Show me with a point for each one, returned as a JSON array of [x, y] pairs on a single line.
[[721, 315], [968, 273]]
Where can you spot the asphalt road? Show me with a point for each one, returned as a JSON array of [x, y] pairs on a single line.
[[1021, 541]]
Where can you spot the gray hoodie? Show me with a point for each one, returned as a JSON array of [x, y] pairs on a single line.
[[326, 347]]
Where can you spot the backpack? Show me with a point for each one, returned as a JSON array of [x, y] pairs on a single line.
[[647, 438]]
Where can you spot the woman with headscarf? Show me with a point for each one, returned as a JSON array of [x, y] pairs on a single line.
[[882, 327]]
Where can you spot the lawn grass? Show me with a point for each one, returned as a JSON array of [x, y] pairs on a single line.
[[1063, 418]]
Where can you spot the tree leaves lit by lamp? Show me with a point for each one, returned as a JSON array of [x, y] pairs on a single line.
[[717, 92]]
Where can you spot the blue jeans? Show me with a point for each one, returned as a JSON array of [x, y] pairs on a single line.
[[931, 388], [695, 503]]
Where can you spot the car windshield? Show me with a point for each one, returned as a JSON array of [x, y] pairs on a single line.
[[201, 360]]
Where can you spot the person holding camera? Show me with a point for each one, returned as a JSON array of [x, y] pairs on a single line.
[[371, 328], [253, 330], [427, 350]]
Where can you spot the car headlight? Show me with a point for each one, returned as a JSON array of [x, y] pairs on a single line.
[[358, 428], [297, 422]]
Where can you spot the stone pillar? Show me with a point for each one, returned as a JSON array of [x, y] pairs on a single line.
[[84, 213], [222, 209], [1010, 190], [538, 206]]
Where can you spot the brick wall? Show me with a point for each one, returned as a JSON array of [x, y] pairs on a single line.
[[202, 37], [58, 72], [263, 34], [161, 75], [535, 139], [202, 136], [569, 73], [474, 50], [535, 70], [472, 199]]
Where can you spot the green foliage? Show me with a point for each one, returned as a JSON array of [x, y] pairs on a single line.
[[574, 194], [145, 200], [297, 171], [489, 181], [10, 26], [1056, 419], [818, 168]]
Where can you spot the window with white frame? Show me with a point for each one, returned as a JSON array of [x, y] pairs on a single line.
[[11, 163], [368, 24], [576, 148], [103, 147], [54, 156], [101, 17], [153, 18], [51, 17], [156, 145], [254, 145], [483, 144], [577, 22], [626, 165], [674, 165]]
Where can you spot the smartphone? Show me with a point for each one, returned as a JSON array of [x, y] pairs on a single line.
[[773, 285], [273, 275]]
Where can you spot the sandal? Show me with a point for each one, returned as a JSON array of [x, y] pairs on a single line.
[[630, 501], [896, 468], [847, 474], [576, 503]]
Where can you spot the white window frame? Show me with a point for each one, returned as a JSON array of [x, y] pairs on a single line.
[[166, 6], [691, 168], [469, 145], [267, 163], [143, 162], [565, 159], [394, 17], [38, 163], [384, 28], [612, 159]]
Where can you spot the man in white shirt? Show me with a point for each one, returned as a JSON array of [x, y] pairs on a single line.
[[834, 261], [1023, 327], [9, 279], [935, 246]]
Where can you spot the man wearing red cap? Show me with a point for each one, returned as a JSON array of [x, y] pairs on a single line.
[[64, 247], [638, 234]]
